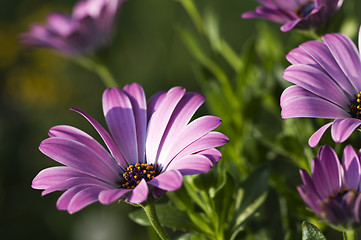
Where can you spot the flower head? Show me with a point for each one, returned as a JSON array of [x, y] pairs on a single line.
[[89, 27], [327, 75], [333, 192], [301, 14], [150, 146]]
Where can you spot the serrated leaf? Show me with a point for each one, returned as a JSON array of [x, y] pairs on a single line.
[[311, 232]]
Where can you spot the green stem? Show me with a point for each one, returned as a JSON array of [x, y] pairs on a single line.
[[149, 209], [350, 235], [98, 68]]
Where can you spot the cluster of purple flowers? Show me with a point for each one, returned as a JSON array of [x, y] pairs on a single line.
[[327, 78], [153, 143]]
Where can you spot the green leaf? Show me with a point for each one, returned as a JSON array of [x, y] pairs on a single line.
[[311, 232], [203, 222], [191, 236], [198, 53], [224, 199], [251, 196], [181, 199], [168, 216]]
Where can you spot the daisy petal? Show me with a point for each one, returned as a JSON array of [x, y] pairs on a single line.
[[106, 138], [316, 137], [182, 114], [312, 107], [139, 193], [169, 180], [352, 168], [78, 156], [193, 164], [75, 134], [346, 55], [159, 121], [83, 198], [342, 128], [317, 82], [137, 97], [111, 195], [119, 115]]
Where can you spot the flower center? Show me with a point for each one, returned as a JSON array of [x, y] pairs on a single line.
[[305, 9], [135, 173], [339, 208], [355, 107]]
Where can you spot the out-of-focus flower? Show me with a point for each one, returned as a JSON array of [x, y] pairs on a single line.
[[327, 75], [301, 14], [333, 192], [152, 144], [89, 27]]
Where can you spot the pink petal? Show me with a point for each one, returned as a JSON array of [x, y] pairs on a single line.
[[83, 198], [139, 193], [317, 82], [111, 195], [342, 128], [300, 56], [322, 55], [179, 120], [119, 115], [78, 156], [210, 140], [312, 107], [106, 138], [75, 134], [170, 180], [137, 97], [346, 55], [212, 154], [189, 165], [154, 102], [195, 130], [159, 121], [352, 168], [90, 196], [75, 181], [53, 176], [316, 137]]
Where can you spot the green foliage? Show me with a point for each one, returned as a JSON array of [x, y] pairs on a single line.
[[311, 232], [168, 215]]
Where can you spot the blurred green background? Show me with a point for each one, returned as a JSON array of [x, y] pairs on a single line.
[[39, 86]]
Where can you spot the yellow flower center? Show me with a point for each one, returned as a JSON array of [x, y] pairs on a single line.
[[355, 107], [135, 173]]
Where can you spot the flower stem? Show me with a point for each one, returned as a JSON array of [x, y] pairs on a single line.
[[350, 235], [100, 69], [149, 209]]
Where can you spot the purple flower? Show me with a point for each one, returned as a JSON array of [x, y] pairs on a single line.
[[327, 75], [301, 14], [89, 27], [152, 144], [333, 192]]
